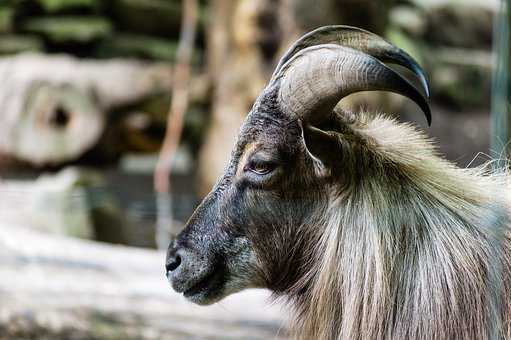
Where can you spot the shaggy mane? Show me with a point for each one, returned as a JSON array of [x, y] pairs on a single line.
[[411, 249]]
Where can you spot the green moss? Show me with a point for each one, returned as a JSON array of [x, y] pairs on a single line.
[[138, 46], [53, 6], [11, 44], [66, 29], [6, 20]]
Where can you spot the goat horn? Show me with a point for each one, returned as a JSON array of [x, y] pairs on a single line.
[[316, 78], [357, 39]]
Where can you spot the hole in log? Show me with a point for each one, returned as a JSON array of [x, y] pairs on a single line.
[[60, 117]]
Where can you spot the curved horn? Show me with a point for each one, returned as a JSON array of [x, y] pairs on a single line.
[[315, 79], [357, 39]]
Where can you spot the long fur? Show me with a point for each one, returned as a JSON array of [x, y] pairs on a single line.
[[412, 248]]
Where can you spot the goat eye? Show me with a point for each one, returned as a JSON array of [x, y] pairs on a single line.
[[260, 167]]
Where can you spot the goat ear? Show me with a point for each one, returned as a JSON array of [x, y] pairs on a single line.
[[323, 147]]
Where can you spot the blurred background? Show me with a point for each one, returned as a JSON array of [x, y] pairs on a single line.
[[90, 92]]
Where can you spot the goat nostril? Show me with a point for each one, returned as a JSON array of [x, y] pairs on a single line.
[[172, 265]]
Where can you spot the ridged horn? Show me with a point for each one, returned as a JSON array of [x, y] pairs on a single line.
[[360, 40], [316, 78]]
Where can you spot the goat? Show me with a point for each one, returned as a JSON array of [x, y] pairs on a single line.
[[352, 217]]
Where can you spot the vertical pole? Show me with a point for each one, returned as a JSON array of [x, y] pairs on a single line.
[[500, 135], [500, 110], [178, 107]]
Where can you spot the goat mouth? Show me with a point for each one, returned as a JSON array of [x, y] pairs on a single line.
[[207, 290]]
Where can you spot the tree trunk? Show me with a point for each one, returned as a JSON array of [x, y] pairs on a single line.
[[244, 41], [238, 69]]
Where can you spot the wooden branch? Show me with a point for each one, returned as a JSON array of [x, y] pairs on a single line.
[[178, 106], [180, 93]]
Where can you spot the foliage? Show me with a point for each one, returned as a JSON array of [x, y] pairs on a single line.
[[63, 29], [53, 6]]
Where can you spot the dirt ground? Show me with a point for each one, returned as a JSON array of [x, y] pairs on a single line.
[[55, 287]]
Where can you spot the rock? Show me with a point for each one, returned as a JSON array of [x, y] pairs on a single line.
[[73, 202], [83, 203], [55, 204], [69, 29]]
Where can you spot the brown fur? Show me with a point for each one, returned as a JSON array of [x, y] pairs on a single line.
[[365, 230], [411, 248]]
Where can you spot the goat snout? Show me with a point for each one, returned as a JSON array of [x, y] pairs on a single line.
[[173, 260], [180, 268], [184, 268]]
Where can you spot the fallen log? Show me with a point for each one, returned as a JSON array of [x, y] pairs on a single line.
[[53, 108], [55, 287]]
